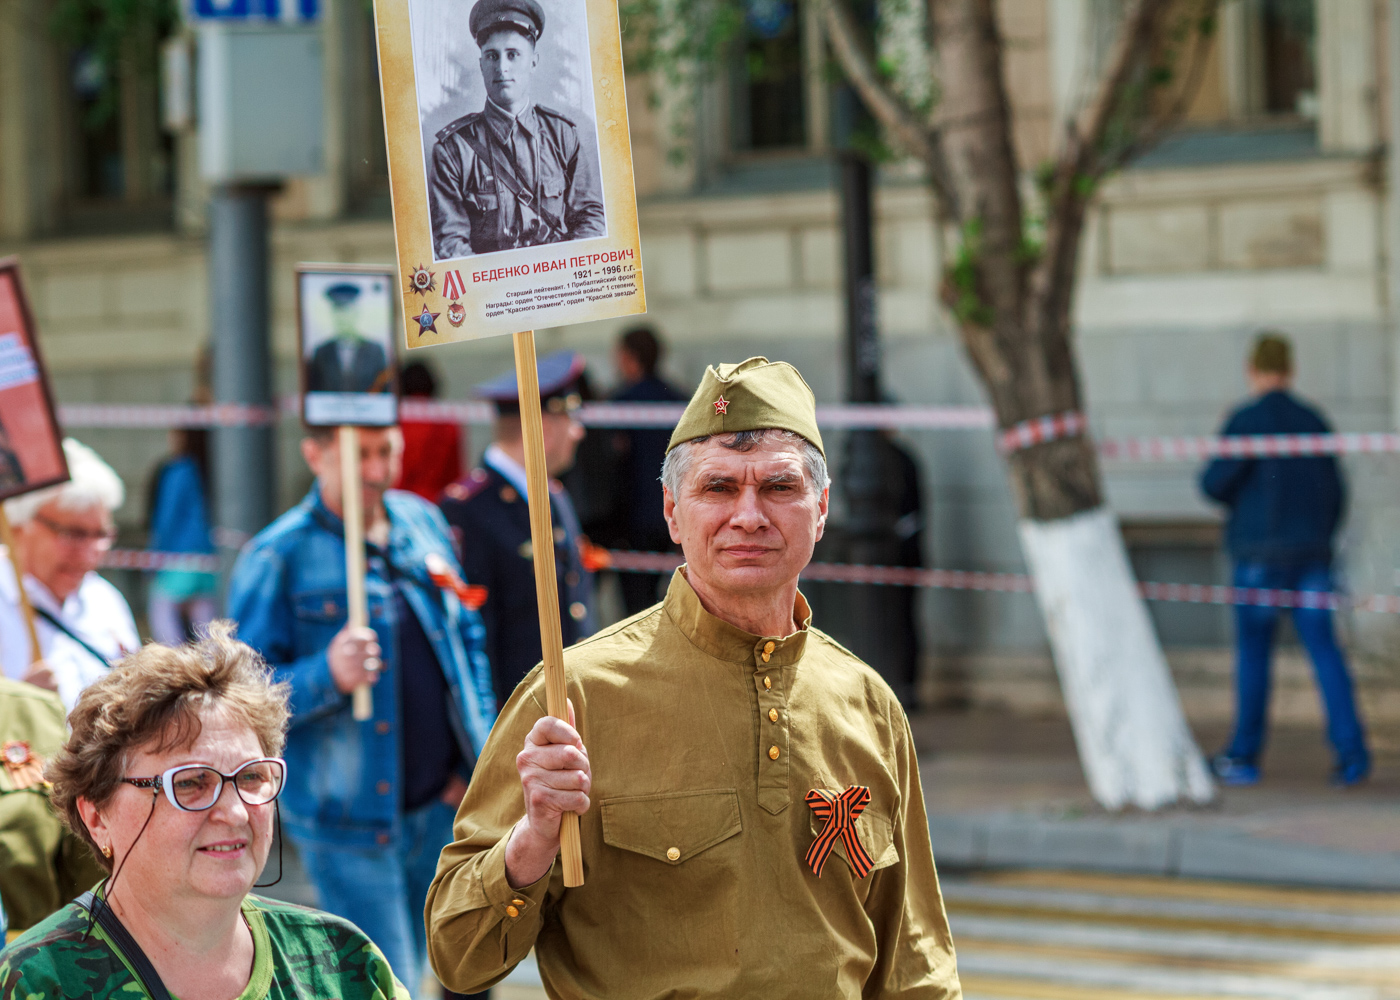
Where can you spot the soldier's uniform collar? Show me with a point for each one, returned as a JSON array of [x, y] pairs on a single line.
[[724, 641], [502, 121]]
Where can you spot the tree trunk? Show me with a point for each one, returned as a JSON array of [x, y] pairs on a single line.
[[1135, 746]]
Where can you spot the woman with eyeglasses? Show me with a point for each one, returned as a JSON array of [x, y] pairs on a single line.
[[171, 775]]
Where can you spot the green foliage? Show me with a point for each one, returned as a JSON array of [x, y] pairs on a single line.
[[114, 33], [967, 304]]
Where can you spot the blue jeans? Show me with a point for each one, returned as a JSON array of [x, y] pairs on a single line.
[[382, 890], [1254, 637]]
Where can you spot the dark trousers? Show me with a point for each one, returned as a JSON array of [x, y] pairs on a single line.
[[1254, 638]]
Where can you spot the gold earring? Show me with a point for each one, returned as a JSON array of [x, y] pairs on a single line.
[[107, 850]]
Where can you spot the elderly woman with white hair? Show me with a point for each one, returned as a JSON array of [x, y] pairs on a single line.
[[83, 622]]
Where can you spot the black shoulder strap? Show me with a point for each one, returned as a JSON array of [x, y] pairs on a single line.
[[126, 944], [54, 621]]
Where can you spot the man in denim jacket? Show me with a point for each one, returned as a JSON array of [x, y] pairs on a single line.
[[368, 804]]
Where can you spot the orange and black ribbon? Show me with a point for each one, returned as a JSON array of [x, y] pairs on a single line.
[[839, 812]]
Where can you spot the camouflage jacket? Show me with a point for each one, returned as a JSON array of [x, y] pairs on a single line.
[[297, 953]]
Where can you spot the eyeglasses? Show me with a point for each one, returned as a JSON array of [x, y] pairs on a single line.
[[196, 787], [79, 536]]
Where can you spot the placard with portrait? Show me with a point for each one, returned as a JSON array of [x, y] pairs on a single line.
[[31, 443], [345, 321], [510, 165]]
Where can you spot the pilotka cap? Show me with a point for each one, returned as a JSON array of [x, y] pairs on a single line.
[[489, 16], [753, 395]]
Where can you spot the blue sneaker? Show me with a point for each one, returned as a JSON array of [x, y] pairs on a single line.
[[1353, 772], [1234, 771]]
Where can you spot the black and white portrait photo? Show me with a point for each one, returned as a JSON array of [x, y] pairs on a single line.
[[505, 105], [347, 347]]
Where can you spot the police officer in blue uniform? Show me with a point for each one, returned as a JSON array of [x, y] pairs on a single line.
[[489, 512], [516, 173]]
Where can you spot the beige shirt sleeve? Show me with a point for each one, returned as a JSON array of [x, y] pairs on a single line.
[[905, 904], [479, 926]]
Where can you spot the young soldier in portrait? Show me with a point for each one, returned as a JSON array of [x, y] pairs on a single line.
[[516, 173]]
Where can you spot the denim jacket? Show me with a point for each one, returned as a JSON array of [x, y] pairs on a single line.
[[288, 596]]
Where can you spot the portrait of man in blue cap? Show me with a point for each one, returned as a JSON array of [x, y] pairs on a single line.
[[348, 361], [515, 173]]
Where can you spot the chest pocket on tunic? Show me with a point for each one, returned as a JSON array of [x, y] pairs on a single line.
[[876, 833], [482, 202], [673, 827]]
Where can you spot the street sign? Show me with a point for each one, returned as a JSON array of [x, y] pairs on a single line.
[[284, 11], [260, 101]]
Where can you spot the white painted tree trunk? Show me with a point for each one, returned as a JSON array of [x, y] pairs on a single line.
[[1133, 740]]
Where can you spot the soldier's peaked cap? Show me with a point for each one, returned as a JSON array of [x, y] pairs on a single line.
[[523, 16], [753, 395], [558, 373]]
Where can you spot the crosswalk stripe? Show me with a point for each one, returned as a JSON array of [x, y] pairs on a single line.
[[1057, 935]]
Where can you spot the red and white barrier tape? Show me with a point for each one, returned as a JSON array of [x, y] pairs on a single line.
[[146, 560], [1039, 430], [1168, 449], [658, 415], [663, 416], [898, 576], [949, 579]]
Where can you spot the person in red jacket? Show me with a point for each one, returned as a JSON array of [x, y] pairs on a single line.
[[432, 452]]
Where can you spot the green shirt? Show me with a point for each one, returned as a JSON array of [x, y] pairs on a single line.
[[297, 953], [704, 742]]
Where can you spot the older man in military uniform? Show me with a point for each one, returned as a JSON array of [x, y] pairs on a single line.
[[43, 865], [751, 814], [489, 512], [516, 173]]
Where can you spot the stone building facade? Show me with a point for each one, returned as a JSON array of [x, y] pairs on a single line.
[[1267, 209]]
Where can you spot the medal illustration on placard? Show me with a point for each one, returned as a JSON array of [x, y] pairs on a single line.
[[427, 321], [421, 280]]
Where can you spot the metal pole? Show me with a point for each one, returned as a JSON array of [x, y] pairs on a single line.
[[857, 227], [1392, 215], [242, 369], [871, 476]]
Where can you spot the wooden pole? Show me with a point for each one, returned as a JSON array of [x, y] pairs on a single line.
[[353, 514], [546, 583], [7, 539]]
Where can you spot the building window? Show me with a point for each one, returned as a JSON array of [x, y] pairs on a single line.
[[769, 81], [118, 161], [1268, 61], [1288, 63]]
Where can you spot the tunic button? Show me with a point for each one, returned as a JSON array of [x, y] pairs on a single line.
[[578, 611], [382, 788], [381, 727], [512, 912], [766, 657], [767, 683], [768, 648], [773, 753], [517, 902], [673, 853], [772, 715]]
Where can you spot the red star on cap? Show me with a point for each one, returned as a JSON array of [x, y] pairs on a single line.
[[721, 406]]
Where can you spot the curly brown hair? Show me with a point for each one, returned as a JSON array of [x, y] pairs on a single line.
[[153, 699]]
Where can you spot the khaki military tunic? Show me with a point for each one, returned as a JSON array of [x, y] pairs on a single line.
[[42, 865], [704, 741]]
